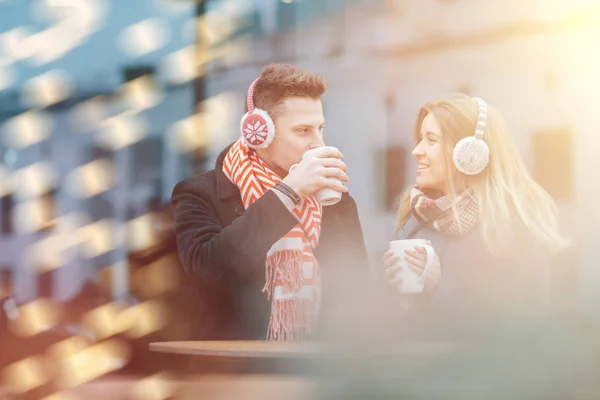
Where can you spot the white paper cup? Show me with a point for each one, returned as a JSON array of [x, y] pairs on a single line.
[[326, 196]]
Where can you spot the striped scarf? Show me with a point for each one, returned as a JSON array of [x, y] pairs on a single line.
[[292, 273], [438, 213]]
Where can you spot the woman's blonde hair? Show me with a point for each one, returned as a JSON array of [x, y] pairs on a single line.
[[509, 199]]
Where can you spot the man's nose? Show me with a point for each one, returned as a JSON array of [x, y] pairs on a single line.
[[316, 143]]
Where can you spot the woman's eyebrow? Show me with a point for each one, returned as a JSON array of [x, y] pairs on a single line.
[[430, 133]]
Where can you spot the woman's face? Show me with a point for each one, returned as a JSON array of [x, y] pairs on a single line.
[[429, 152]]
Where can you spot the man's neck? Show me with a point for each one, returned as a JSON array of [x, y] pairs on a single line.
[[279, 171]]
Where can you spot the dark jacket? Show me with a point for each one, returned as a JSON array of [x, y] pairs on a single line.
[[223, 248], [478, 288]]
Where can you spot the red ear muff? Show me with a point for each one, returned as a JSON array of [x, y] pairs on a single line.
[[257, 127]]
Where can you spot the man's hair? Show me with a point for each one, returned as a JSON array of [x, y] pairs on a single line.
[[280, 81]]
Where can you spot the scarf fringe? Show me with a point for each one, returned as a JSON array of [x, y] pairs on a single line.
[[291, 319], [284, 268]]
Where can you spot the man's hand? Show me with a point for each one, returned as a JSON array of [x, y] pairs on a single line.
[[314, 173]]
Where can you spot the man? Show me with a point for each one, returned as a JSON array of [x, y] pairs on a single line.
[[259, 247]]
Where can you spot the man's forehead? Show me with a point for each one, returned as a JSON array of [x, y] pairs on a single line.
[[302, 110], [301, 103]]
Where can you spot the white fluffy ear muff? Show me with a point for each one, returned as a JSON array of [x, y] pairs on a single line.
[[471, 154], [257, 127]]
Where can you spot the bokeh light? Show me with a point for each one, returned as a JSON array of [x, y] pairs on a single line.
[[180, 66], [26, 374], [91, 179], [121, 131], [36, 317], [47, 89], [93, 362], [15, 43], [144, 37], [157, 278], [141, 93], [35, 180], [156, 387], [188, 134], [27, 129], [32, 215]]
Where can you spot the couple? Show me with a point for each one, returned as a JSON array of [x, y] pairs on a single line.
[[269, 260]]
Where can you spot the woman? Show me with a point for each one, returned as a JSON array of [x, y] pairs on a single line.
[[493, 229]]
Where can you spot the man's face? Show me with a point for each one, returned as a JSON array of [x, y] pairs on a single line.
[[298, 128]]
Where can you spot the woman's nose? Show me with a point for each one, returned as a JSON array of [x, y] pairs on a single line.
[[417, 151]]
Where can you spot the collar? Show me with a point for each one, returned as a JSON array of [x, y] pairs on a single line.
[[225, 188]]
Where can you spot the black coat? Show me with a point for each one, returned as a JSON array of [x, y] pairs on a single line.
[[223, 248], [480, 290]]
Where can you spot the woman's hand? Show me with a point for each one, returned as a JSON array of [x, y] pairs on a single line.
[[417, 260], [391, 267]]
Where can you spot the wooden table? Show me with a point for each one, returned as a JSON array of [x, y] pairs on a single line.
[[242, 349], [400, 370], [323, 368], [295, 350], [246, 356]]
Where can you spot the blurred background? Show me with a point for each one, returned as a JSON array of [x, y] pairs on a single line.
[[105, 105]]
